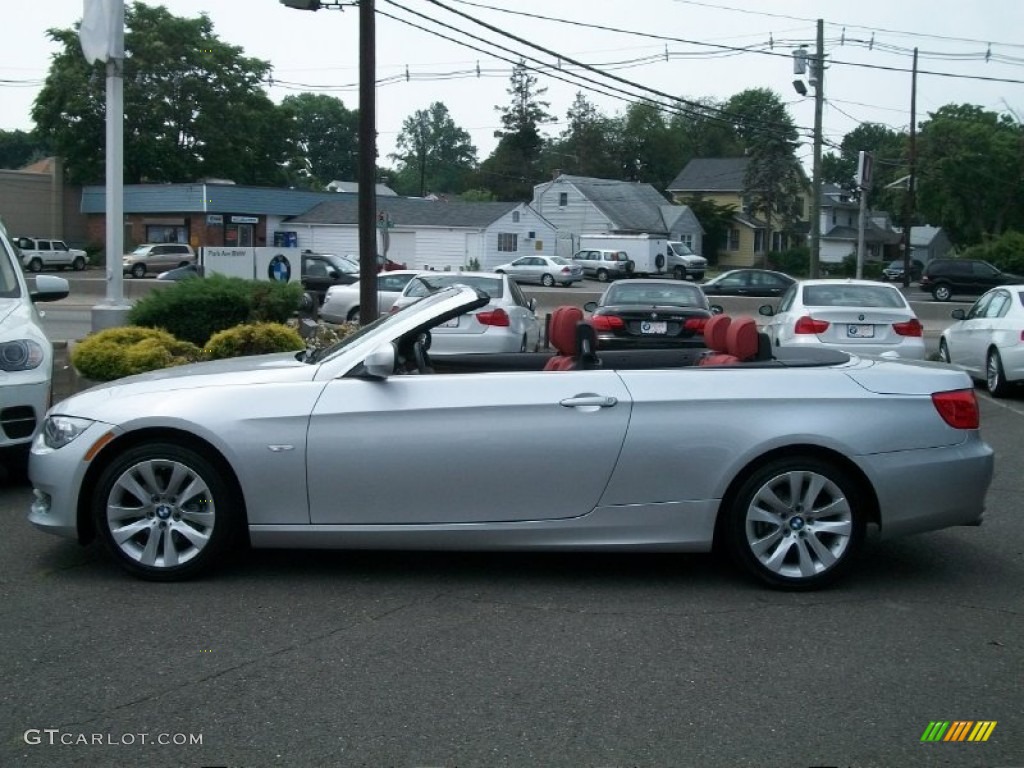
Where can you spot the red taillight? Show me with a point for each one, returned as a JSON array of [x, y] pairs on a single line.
[[912, 327], [498, 317], [808, 324], [566, 270], [606, 322], [958, 408], [695, 324]]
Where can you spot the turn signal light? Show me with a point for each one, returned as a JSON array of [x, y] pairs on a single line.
[[958, 408]]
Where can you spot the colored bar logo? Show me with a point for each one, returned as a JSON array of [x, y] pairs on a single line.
[[958, 730]]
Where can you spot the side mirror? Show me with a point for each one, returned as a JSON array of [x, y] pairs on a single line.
[[333, 274], [532, 304], [766, 309], [717, 309], [958, 314], [590, 306], [50, 288], [381, 362]]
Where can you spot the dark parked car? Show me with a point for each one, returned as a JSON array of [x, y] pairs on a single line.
[[650, 314], [894, 272], [322, 270], [945, 278], [748, 282]]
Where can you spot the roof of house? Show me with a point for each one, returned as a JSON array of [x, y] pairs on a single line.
[[404, 211], [712, 174], [872, 234], [631, 206], [203, 197], [353, 186]]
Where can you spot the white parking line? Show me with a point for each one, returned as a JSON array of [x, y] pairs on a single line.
[[1011, 405]]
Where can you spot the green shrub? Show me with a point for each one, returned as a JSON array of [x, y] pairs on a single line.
[[255, 339], [872, 269], [194, 310], [1005, 252], [118, 352], [795, 262]]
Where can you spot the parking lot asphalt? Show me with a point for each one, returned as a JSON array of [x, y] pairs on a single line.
[[438, 659]]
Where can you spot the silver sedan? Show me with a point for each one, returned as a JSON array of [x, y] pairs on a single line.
[[546, 270], [341, 305], [373, 445], [988, 340]]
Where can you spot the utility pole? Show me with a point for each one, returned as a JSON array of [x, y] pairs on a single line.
[[908, 202], [818, 75]]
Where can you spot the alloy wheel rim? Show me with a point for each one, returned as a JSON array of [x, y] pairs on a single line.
[[160, 513], [799, 524], [992, 371]]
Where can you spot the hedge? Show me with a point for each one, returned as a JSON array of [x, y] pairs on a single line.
[[118, 352]]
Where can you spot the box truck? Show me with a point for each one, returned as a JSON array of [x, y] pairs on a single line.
[[650, 254]]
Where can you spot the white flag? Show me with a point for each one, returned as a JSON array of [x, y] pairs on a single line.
[[102, 30]]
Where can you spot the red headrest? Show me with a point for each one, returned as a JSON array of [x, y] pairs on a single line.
[[563, 329], [741, 339], [715, 330]]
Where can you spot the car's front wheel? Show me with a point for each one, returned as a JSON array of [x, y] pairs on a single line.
[[36, 265], [78, 264], [353, 315], [941, 292], [679, 273], [547, 280], [602, 275], [796, 522], [165, 511], [995, 376], [944, 352]]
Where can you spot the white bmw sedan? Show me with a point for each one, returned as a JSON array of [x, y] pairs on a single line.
[[859, 316], [987, 341]]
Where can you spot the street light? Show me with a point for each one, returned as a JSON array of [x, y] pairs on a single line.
[[367, 149]]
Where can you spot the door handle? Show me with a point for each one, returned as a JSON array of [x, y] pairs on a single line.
[[593, 401]]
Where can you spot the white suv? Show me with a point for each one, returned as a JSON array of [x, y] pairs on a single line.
[[26, 355], [37, 253]]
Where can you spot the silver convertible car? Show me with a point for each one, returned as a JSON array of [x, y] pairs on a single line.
[[784, 461]]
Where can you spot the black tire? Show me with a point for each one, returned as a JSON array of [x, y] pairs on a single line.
[[941, 292], [36, 265], [602, 275], [567, 284], [524, 344], [679, 273], [78, 264], [139, 270], [211, 516], [659, 262], [944, 352], [353, 315], [995, 376], [794, 548], [547, 281]]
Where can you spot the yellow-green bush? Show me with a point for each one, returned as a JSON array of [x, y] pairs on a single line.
[[254, 339], [118, 352]]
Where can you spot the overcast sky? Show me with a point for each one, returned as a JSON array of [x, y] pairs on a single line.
[[715, 50]]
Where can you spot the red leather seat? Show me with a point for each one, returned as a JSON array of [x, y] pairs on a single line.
[[741, 339], [562, 337], [716, 332]]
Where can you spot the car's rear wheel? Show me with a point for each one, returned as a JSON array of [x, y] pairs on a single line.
[[165, 511], [567, 284], [36, 265], [679, 273], [796, 522], [602, 275], [78, 264], [139, 270], [941, 292], [995, 376], [944, 351], [547, 280]]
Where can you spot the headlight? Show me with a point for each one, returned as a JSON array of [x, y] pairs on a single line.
[[20, 355], [58, 431]]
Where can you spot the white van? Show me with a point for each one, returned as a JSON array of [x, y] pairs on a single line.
[[651, 255]]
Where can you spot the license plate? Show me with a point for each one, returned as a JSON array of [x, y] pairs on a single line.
[[453, 323], [858, 331], [648, 326]]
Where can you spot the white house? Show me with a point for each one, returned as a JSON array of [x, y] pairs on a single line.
[[580, 205], [430, 234]]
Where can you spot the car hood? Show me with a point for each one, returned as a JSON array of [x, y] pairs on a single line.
[[13, 314], [237, 371]]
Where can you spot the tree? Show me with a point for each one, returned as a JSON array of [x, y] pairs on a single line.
[[513, 168], [774, 181], [888, 148], [325, 137], [970, 172], [587, 147], [648, 149], [716, 219], [434, 154], [194, 105], [19, 148]]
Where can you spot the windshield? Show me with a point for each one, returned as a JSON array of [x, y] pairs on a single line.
[[9, 287], [341, 263], [424, 285], [652, 294], [141, 250], [681, 248]]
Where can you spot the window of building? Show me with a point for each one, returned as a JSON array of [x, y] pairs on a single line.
[[515, 217], [166, 233], [758, 240], [508, 241], [686, 240], [732, 240], [563, 199]]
